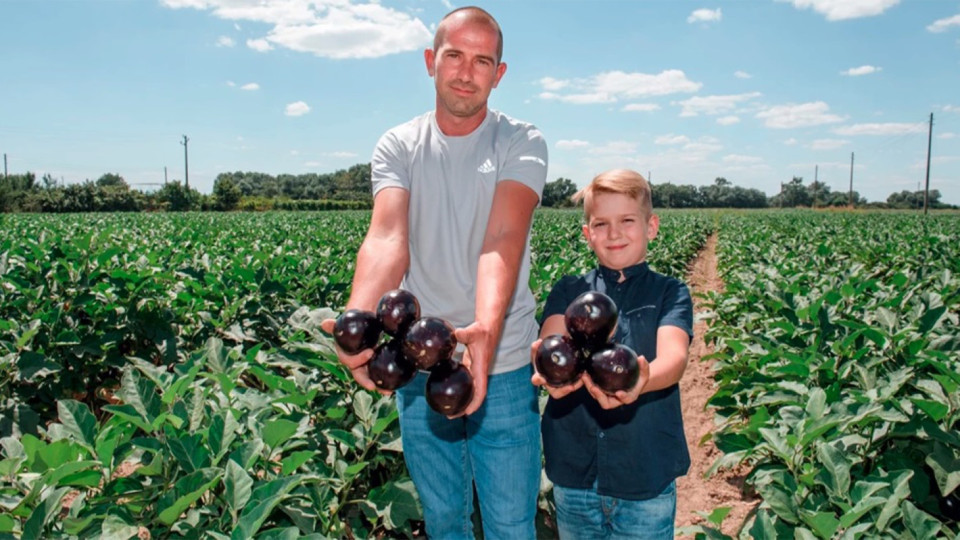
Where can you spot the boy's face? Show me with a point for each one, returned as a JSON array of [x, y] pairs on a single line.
[[617, 230]]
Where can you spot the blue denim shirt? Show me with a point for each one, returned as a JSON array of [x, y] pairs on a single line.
[[634, 451]]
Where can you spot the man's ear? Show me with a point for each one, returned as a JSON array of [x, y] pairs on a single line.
[[501, 69], [429, 57]]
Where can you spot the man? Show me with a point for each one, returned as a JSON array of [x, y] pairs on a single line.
[[454, 194]]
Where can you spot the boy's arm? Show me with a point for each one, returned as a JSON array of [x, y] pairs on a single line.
[[497, 271], [671, 361]]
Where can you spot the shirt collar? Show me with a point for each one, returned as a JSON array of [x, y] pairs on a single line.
[[629, 272]]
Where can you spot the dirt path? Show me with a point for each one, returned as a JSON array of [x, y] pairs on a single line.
[[695, 492]]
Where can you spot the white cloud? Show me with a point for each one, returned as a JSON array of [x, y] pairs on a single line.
[[839, 10], [742, 160], [552, 85], [889, 128], [327, 28], [640, 107], [742, 75], [803, 115], [947, 135], [294, 152], [951, 108], [231, 84], [862, 70], [827, 144], [571, 144], [790, 142], [728, 120], [713, 105], [705, 145], [671, 139], [942, 25], [312, 164], [225, 41], [612, 86], [259, 45], [250, 86], [297, 108], [615, 148], [705, 15], [341, 154]]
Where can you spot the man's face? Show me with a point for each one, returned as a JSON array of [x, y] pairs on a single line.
[[465, 68]]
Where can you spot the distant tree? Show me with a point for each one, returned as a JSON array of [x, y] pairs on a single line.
[[175, 197], [112, 180], [226, 193], [794, 193], [558, 193]]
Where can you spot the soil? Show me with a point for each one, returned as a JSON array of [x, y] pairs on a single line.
[[696, 492]]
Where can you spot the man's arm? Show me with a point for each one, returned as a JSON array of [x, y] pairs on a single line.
[[497, 271], [382, 261]]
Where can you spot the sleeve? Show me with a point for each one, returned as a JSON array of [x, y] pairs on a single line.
[[527, 160], [559, 298], [677, 307], [387, 166]]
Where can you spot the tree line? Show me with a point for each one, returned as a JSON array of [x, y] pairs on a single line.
[[350, 189]]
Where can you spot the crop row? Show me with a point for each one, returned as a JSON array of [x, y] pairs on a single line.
[[838, 369]]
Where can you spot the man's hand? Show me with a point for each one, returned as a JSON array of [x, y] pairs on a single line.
[[356, 362], [480, 344], [556, 392], [621, 397]]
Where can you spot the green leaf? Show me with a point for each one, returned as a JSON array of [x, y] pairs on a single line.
[[140, 393], [824, 524], [292, 462], [930, 318], [128, 413], [36, 524], [223, 430], [278, 431], [835, 474], [261, 504], [945, 463], [934, 409], [188, 451], [78, 422], [115, 527], [34, 366], [920, 525], [396, 503], [237, 486], [187, 491]]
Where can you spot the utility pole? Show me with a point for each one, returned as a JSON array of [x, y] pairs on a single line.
[[164, 175], [816, 185], [850, 199], [781, 195], [926, 191], [4, 164], [186, 167]]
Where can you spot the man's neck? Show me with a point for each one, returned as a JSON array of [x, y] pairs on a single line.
[[457, 126]]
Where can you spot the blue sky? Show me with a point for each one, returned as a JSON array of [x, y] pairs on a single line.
[[756, 91]]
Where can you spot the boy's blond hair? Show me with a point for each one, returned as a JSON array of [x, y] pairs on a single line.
[[622, 181]]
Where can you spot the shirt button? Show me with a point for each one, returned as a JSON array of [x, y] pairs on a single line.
[[602, 435]]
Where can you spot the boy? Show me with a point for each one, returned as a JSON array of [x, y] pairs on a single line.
[[614, 459]]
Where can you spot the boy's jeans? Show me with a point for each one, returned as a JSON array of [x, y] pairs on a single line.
[[582, 514], [498, 447]]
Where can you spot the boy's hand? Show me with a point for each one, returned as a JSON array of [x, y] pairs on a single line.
[[356, 362], [556, 392], [621, 397]]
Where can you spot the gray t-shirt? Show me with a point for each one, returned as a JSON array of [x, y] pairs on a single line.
[[451, 181]]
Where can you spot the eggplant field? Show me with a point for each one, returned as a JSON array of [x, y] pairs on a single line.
[[165, 375]]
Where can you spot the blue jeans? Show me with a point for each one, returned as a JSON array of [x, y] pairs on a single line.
[[497, 447], [582, 514]]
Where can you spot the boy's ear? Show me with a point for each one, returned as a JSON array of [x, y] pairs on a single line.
[[653, 226], [586, 234]]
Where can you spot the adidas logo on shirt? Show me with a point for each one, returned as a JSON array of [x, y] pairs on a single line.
[[487, 167]]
